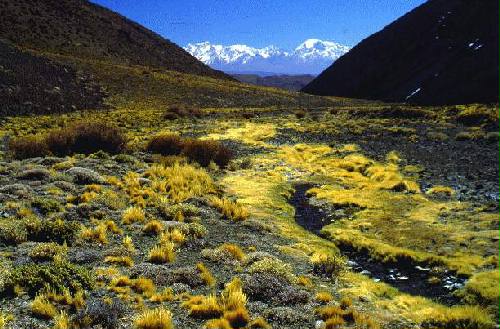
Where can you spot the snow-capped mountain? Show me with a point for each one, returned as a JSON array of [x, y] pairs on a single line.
[[310, 57]]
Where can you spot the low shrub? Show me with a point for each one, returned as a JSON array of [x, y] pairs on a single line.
[[47, 251], [46, 206], [473, 115], [301, 114], [205, 152], [58, 230], [100, 312], [56, 276], [165, 144], [201, 151], [12, 232], [28, 147], [86, 138], [272, 289], [181, 111], [81, 137]]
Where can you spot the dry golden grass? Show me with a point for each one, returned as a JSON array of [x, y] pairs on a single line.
[[133, 215], [217, 324], [323, 297], [234, 250], [206, 308], [205, 275], [120, 260], [43, 308], [62, 321], [166, 294], [230, 209], [237, 318], [157, 318], [153, 227], [162, 253]]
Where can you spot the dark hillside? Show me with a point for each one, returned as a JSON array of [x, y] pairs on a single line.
[[35, 85], [82, 29], [443, 52]]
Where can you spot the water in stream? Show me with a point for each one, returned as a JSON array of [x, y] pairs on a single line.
[[407, 276]]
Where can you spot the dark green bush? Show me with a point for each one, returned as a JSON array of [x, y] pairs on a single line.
[[12, 232], [46, 206], [56, 276], [58, 230]]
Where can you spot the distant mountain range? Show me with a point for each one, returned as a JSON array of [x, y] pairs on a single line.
[[442, 52], [310, 57]]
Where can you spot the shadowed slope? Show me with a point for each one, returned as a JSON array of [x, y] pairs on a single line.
[[443, 52]]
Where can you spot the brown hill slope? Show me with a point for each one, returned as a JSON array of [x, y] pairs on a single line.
[[31, 84], [288, 82], [82, 29], [443, 52]]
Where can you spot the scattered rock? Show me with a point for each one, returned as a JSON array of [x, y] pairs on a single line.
[[85, 176], [16, 189], [34, 174]]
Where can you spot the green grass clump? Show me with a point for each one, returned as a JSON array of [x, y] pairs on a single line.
[[47, 251], [274, 267], [55, 276], [46, 206], [12, 232], [57, 230]]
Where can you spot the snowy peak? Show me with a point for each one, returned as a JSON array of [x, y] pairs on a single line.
[[311, 56], [323, 49]]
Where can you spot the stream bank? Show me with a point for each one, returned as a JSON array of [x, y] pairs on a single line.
[[410, 277]]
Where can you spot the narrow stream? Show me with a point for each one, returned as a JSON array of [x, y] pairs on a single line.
[[407, 276]]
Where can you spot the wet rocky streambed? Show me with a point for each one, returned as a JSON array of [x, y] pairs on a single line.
[[407, 276]]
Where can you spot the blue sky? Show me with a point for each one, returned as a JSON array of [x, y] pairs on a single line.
[[259, 23]]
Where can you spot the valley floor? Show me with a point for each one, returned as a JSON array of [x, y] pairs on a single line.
[[361, 216]]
